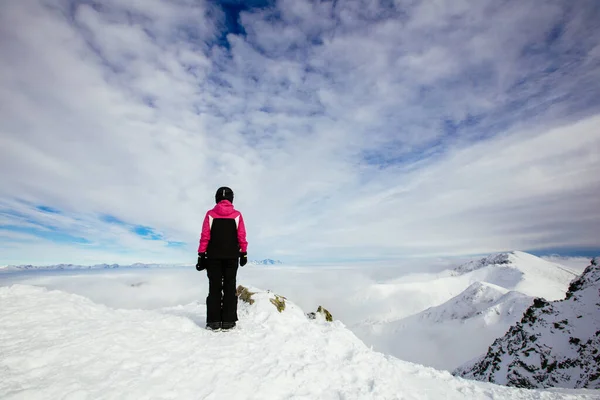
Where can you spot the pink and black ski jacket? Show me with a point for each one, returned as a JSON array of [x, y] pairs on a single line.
[[223, 232]]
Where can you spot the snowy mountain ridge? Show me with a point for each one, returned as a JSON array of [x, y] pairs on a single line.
[[555, 343], [479, 299], [447, 335], [493, 259], [93, 351], [513, 259], [521, 272]]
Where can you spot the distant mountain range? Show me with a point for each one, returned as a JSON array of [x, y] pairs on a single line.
[[77, 266], [266, 261], [27, 267]]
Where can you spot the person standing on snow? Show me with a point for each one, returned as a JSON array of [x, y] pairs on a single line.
[[222, 243]]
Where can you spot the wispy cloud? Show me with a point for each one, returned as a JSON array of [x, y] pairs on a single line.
[[346, 129]]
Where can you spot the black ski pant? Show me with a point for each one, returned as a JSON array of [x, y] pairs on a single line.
[[221, 303]]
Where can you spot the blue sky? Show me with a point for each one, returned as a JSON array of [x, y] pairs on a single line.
[[347, 129]]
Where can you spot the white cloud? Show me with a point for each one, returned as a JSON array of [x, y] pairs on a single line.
[[326, 119]]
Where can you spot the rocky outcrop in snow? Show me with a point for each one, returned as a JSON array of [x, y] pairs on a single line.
[[494, 259], [556, 344]]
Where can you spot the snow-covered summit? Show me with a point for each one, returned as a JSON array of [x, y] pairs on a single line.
[[59, 345], [555, 343], [521, 272], [447, 335], [479, 299]]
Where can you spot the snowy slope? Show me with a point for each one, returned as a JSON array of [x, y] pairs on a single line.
[[391, 300], [522, 272], [555, 343], [481, 299], [575, 264], [58, 345], [452, 333]]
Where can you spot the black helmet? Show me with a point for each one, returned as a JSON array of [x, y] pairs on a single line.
[[224, 193]]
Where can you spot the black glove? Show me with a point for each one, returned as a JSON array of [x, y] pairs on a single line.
[[201, 264], [243, 258]]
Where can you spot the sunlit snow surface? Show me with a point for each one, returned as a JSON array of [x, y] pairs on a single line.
[[60, 345], [139, 333]]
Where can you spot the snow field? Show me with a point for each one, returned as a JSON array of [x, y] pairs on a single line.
[[55, 345], [527, 274]]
